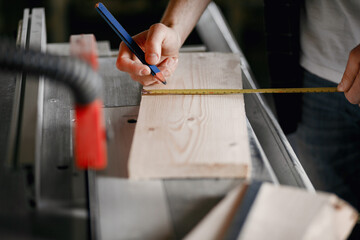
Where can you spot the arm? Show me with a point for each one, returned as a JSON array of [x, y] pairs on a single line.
[[350, 82], [183, 15], [162, 41]]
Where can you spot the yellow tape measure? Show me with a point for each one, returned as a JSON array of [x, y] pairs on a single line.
[[236, 91]]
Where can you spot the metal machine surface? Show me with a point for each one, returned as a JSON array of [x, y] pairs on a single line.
[[49, 191]]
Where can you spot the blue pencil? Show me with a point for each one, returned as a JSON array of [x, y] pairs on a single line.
[[132, 45]]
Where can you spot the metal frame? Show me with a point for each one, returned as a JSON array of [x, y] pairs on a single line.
[[57, 194], [15, 117], [31, 122]]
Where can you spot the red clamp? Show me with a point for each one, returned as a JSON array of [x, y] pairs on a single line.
[[90, 133]]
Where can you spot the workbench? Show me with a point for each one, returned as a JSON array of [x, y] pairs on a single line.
[[36, 138]]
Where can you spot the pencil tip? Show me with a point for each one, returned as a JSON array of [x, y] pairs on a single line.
[[160, 77]]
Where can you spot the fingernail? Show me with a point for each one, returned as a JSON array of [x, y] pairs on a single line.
[[341, 86], [144, 72], [153, 58]]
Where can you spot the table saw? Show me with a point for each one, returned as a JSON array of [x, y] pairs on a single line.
[[45, 196]]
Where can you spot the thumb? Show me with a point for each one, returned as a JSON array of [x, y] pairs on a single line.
[[153, 45]]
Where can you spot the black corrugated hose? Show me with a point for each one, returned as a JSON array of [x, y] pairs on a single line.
[[76, 74]]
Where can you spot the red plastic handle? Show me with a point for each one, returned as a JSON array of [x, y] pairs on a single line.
[[90, 134]]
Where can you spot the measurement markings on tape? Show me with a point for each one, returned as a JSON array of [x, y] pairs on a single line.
[[236, 91]]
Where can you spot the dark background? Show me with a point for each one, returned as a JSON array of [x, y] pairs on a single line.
[[66, 17]]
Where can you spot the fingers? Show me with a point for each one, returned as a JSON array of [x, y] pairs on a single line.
[[168, 66], [161, 45], [137, 70], [353, 94], [350, 82], [161, 42], [145, 80], [131, 66], [153, 45], [351, 70], [127, 63]]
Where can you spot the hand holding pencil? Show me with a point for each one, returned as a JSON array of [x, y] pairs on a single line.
[[130, 62], [161, 43], [161, 46]]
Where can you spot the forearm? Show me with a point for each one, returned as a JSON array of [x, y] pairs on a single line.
[[182, 15]]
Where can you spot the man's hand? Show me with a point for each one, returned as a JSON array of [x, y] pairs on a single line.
[[350, 82], [161, 45]]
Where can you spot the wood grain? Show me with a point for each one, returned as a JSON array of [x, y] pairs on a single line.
[[193, 136]]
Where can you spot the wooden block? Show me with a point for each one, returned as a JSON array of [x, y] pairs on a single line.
[[280, 212], [193, 136], [291, 213]]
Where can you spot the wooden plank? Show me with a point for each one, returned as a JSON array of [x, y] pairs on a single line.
[[281, 212], [193, 136]]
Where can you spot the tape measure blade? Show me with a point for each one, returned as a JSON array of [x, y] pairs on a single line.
[[236, 91]]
